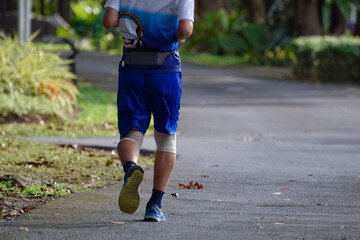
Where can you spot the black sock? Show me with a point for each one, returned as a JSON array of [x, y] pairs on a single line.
[[128, 165], [156, 198]]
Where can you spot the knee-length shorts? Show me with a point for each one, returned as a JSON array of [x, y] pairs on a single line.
[[140, 94]]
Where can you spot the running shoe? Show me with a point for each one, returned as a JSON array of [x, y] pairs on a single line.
[[154, 214], [129, 198]]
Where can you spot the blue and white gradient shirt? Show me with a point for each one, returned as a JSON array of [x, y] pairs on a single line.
[[153, 24]]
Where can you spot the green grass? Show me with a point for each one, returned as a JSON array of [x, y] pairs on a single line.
[[53, 47]]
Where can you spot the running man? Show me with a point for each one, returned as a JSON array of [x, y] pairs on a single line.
[[149, 82]]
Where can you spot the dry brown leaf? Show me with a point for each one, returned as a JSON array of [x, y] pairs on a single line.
[[29, 209], [190, 185]]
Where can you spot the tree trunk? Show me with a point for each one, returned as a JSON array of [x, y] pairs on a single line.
[[257, 13], [307, 19], [3, 14], [339, 22], [204, 6], [64, 9], [42, 7], [357, 27]]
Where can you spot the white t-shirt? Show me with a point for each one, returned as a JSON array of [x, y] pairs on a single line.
[[151, 23]]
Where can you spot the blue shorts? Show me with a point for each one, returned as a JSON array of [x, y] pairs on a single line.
[[140, 94]]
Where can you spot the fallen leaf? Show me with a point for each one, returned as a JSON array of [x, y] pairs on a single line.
[[288, 217], [29, 209], [175, 195], [197, 186], [279, 223], [190, 185], [324, 176], [24, 229], [220, 200], [260, 227], [258, 217], [209, 176], [286, 199], [277, 193], [286, 189]]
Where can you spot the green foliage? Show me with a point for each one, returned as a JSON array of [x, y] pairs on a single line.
[[27, 71], [85, 14], [87, 22], [220, 33], [50, 7], [20, 105], [345, 8], [105, 39], [328, 59], [223, 33]]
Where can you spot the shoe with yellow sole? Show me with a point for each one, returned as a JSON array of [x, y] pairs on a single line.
[[129, 198]]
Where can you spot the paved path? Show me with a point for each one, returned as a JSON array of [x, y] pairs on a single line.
[[277, 159]]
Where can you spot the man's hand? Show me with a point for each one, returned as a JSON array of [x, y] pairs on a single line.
[[185, 30]]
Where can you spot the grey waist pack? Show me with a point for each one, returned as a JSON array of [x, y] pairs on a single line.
[[145, 57]]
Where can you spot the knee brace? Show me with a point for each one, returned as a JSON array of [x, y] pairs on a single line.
[[165, 142], [135, 136]]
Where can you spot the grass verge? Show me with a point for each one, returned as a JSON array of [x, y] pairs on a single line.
[[215, 60]]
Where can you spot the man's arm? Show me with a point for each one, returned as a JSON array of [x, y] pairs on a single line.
[[185, 30], [111, 18]]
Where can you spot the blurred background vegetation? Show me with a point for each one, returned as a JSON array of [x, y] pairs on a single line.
[[318, 39]]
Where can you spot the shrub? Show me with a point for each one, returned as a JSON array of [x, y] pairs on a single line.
[[328, 59], [223, 33], [28, 71], [19, 105], [87, 22]]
